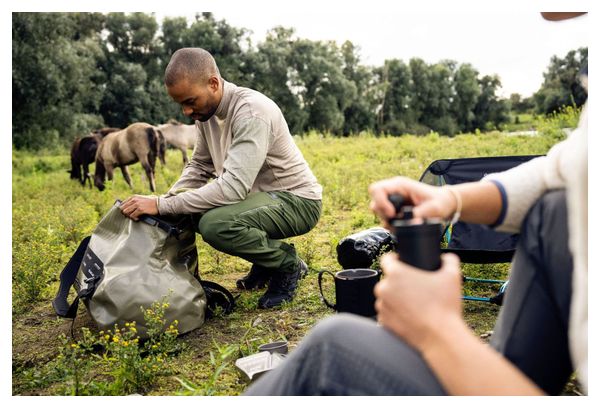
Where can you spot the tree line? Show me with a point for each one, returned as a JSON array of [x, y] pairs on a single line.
[[72, 72]]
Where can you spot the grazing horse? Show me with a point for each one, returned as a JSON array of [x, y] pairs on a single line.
[[138, 142], [83, 152], [180, 136]]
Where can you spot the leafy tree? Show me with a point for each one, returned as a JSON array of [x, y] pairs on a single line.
[[395, 113], [135, 63], [125, 96], [268, 70], [359, 115], [221, 40], [54, 89], [437, 114], [326, 91], [467, 92], [561, 82], [490, 110], [419, 88], [174, 35]]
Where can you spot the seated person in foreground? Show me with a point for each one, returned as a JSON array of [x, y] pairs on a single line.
[[421, 344]]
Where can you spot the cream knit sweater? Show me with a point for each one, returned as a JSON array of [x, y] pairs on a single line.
[[565, 166]]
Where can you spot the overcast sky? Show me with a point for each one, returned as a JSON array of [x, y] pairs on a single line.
[[515, 45]]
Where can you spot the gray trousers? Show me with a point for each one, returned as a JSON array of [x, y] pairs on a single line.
[[351, 355]]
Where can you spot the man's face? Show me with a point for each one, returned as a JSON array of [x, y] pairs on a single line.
[[198, 101]]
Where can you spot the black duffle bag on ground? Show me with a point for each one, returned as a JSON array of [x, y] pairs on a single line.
[[125, 266], [362, 248]]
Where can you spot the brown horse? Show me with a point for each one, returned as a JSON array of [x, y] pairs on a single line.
[[180, 136], [83, 152], [138, 142]]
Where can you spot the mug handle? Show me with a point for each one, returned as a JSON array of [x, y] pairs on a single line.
[[321, 288]]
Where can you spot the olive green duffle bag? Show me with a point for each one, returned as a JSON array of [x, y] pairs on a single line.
[[127, 265]]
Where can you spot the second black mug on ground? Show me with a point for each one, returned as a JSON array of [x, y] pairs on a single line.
[[353, 291]]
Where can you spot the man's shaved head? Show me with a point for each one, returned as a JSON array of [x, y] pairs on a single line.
[[193, 64]]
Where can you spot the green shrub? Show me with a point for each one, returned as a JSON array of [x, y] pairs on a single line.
[[553, 126], [117, 361]]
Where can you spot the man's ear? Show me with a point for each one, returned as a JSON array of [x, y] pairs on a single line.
[[214, 83]]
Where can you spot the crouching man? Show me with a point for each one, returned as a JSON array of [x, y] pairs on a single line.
[[262, 191]]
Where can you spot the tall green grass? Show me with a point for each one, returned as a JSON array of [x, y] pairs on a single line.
[[52, 213]]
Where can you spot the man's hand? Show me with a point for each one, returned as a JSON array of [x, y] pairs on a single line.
[[136, 205], [413, 303]]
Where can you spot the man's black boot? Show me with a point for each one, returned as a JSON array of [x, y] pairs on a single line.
[[257, 278], [283, 286]]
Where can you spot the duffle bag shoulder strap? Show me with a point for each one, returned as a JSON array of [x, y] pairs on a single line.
[[217, 296], [67, 279]]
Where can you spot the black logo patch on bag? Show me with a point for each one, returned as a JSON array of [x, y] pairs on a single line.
[[92, 270]]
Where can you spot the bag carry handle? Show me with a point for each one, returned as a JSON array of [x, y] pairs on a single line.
[[157, 222], [67, 279]]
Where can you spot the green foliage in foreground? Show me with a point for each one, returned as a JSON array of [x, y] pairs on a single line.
[[52, 213], [112, 362]]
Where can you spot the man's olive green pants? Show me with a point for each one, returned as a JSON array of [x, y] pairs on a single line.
[[252, 229]]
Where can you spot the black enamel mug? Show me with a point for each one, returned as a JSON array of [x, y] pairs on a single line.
[[353, 291]]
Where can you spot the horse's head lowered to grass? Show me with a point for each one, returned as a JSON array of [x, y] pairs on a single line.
[[138, 142]]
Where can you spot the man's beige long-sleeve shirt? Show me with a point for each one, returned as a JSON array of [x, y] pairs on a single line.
[[245, 147]]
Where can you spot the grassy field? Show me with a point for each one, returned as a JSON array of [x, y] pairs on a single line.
[[52, 213]]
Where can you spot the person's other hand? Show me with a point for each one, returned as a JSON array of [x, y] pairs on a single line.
[[428, 201], [412, 303], [136, 205]]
